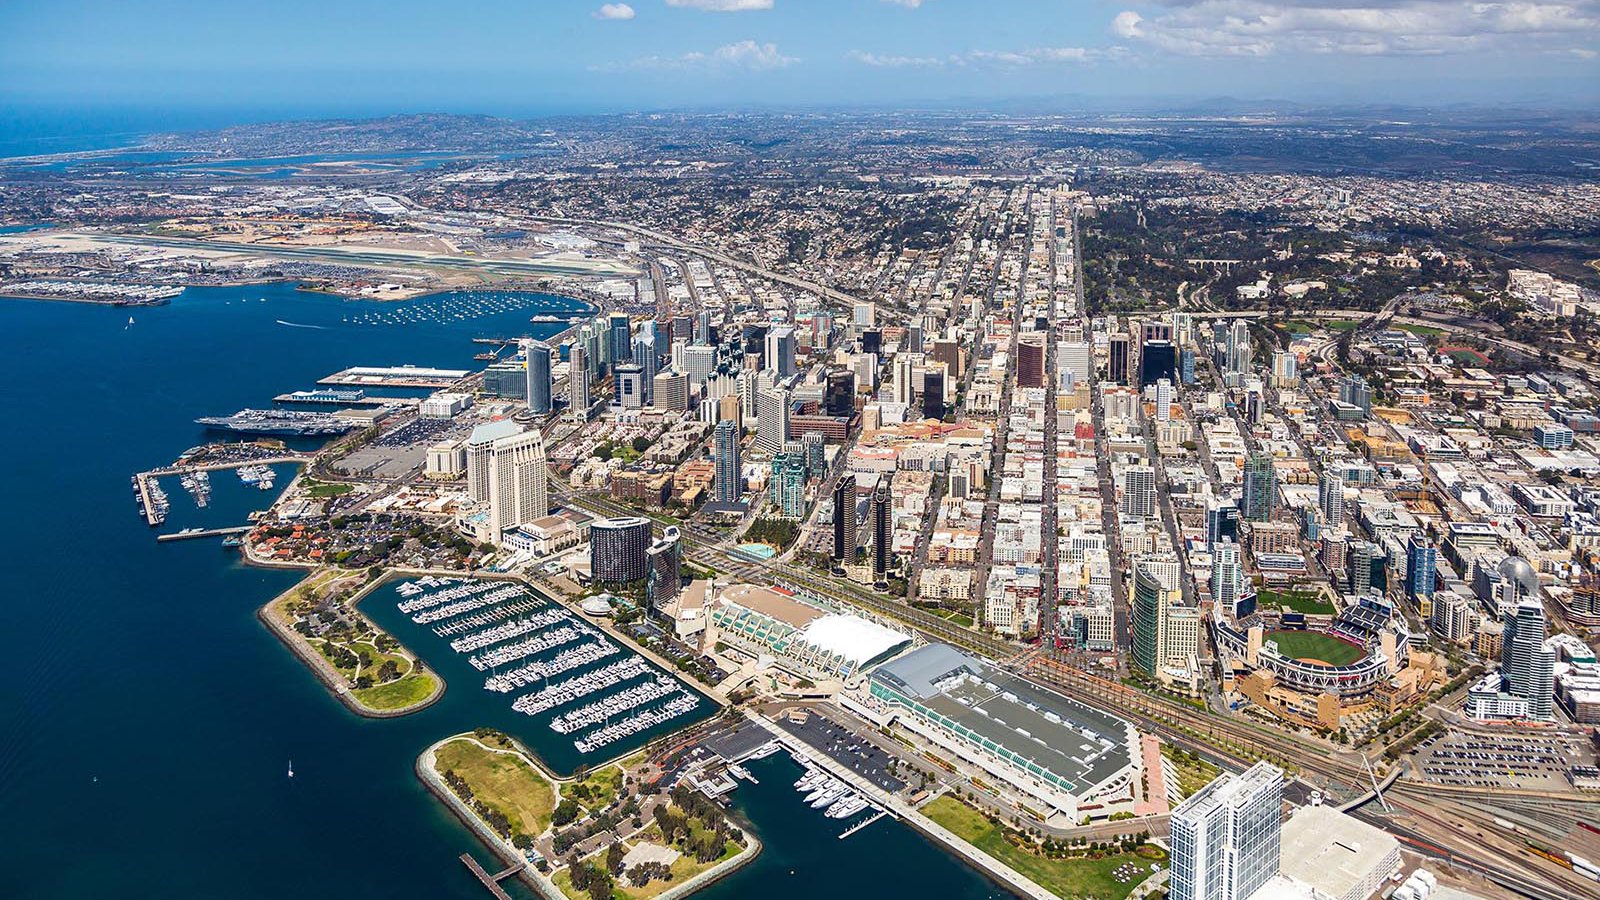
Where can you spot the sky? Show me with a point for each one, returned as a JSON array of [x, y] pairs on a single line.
[[524, 57]]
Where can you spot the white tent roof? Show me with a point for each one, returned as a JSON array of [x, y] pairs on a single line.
[[851, 638]]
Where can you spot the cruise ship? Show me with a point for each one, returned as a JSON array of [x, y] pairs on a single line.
[[280, 421]]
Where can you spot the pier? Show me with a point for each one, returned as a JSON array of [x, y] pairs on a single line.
[[203, 533], [153, 515], [395, 376], [316, 398], [863, 823], [492, 882]]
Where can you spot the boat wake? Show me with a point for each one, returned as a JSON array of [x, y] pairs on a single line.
[[298, 325]]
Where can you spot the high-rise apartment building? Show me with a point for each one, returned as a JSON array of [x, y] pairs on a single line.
[[844, 521], [536, 359], [1227, 837], [1260, 488], [772, 419], [727, 484]]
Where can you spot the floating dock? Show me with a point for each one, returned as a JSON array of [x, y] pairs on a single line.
[[395, 376]]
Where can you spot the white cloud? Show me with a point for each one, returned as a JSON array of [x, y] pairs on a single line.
[[1262, 28], [616, 11], [1033, 56], [722, 5], [747, 55], [908, 4]]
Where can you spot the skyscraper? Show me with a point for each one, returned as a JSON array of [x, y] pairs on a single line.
[[1117, 366], [780, 350], [1077, 357], [1226, 576], [1139, 492], [882, 530], [629, 386], [1227, 837], [1260, 488], [619, 339], [578, 382], [815, 447], [670, 391], [1149, 596], [1239, 351], [1527, 666], [536, 357], [772, 419], [648, 361], [1164, 400], [1222, 521], [1285, 368], [1030, 361], [617, 549], [844, 521], [1421, 563], [933, 378], [1330, 496], [787, 486], [506, 470], [1355, 391], [727, 485], [664, 561]]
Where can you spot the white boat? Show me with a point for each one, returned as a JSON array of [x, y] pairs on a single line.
[[847, 807], [291, 768], [765, 750], [828, 796]]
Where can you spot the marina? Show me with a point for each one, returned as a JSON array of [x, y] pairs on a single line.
[[571, 692]]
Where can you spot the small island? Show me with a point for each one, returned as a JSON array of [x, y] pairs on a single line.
[[599, 835], [364, 666]]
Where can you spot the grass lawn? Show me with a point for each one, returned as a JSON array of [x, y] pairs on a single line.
[[1340, 324], [683, 869], [1467, 356], [1314, 645], [409, 689], [322, 491], [1299, 601], [952, 615], [1194, 773], [503, 781], [1068, 878], [597, 790], [1420, 330]]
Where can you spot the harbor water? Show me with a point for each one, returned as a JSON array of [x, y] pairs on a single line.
[[147, 720]]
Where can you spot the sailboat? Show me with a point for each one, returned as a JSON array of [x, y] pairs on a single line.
[[291, 768], [130, 323]]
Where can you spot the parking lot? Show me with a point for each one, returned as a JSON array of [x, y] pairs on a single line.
[[401, 451], [844, 747], [1533, 761]]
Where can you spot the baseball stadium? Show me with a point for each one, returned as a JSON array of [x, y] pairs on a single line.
[[1345, 658]]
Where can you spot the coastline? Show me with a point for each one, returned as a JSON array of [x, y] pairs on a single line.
[[325, 673], [543, 884], [303, 286]]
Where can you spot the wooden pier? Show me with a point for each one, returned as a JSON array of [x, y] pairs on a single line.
[[492, 882]]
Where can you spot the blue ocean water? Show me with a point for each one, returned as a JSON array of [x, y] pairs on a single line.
[[147, 719]]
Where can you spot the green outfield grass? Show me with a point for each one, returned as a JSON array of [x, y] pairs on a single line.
[[1315, 645]]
